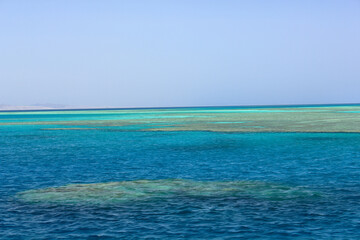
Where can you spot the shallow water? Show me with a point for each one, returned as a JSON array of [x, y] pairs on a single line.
[[298, 185], [148, 190]]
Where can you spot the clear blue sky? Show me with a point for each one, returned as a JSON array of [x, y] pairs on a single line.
[[179, 53]]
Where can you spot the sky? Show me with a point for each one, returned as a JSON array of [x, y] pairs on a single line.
[[158, 53]]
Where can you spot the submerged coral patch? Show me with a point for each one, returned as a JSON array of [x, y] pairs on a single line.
[[126, 191], [336, 119]]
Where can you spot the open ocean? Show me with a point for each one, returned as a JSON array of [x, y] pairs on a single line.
[[181, 173]]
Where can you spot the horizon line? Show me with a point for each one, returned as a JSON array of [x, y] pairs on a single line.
[[173, 107]]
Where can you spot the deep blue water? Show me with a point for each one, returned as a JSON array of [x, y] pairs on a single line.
[[328, 163]]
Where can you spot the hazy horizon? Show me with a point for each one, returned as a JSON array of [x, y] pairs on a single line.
[[44, 107], [179, 53]]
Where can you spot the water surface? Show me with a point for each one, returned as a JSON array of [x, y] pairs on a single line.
[[192, 173]]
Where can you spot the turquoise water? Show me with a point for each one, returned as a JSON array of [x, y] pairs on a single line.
[[123, 182]]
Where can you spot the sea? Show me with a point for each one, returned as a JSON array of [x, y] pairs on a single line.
[[279, 172]]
